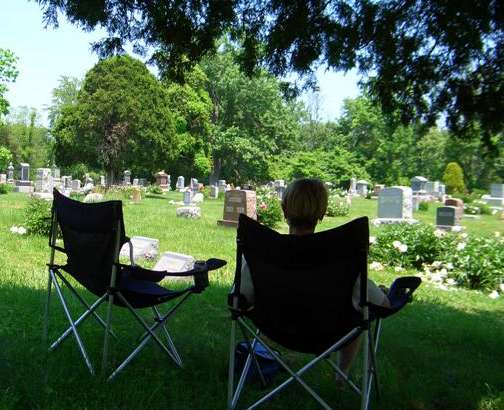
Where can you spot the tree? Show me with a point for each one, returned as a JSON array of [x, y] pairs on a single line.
[[424, 57], [8, 73], [122, 119], [5, 158], [454, 178], [252, 122], [65, 94]]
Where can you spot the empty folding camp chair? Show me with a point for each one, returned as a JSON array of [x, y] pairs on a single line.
[[93, 235], [303, 301]]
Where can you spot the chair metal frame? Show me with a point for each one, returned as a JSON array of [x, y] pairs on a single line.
[[159, 323], [369, 364]]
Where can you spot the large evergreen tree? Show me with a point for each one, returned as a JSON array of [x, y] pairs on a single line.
[[122, 119]]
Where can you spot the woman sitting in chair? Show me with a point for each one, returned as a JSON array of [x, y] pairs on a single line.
[[304, 204]]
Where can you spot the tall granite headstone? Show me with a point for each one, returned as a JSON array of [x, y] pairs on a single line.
[[238, 202], [395, 203], [446, 216]]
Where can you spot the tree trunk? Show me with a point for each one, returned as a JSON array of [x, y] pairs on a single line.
[[214, 176]]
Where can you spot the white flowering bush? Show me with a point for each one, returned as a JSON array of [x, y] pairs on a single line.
[[444, 258], [18, 230], [337, 203], [269, 210]]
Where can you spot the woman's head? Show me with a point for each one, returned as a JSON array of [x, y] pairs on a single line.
[[304, 203]]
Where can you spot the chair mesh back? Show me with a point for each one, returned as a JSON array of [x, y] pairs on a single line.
[[89, 236], [303, 284]]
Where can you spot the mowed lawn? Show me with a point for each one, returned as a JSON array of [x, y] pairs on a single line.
[[445, 351]]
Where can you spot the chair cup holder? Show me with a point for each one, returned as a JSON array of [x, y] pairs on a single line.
[[200, 281]]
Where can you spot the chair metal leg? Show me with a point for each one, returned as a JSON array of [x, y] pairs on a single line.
[[86, 305], [46, 312], [365, 371], [74, 328], [251, 346], [296, 375], [107, 333], [168, 337], [81, 319], [231, 367], [344, 377]]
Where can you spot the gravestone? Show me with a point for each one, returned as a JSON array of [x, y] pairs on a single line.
[[180, 183], [190, 212], [442, 190], [353, 186], [174, 262], [497, 190], [102, 180], [395, 205], [135, 181], [432, 188], [418, 183], [24, 185], [377, 188], [127, 177], [143, 182], [214, 191], [280, 190], [136, 195], [446, 217], [163, 180], [76, 185], [143, 248], [222, 185], [44, 180], [362, 187], [197, 198], [56, 176], [194, 184], [188, 197], [236, 203], [66, 182], [458, 204], [3, 178], [10, 173]]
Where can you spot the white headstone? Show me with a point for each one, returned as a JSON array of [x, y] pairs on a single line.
[[10, 172], [191, 212], [127, 177], [418, 183], [222, 185], [3, 178], [497, 190], [395, 203], [143, 247], [180, 183], [135, 182], [362, 187], [214, 191], [44, 180], [76, 185], [187, 197], [102, 180]]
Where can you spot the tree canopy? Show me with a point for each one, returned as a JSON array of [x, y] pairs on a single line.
[[121, 119], [8, 73], [421, 57]]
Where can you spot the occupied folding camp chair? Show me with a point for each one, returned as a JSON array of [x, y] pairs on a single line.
[[303, 289], [93, 235]]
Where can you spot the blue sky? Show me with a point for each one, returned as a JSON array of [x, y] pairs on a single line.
[[46, 54]]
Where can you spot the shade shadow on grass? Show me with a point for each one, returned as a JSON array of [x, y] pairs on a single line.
[[432, 356]]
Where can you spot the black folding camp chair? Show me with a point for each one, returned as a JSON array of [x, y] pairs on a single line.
[[303, 289], [93, 235]]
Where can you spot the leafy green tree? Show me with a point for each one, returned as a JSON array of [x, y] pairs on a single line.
[[122, 119], [5, 158], [454, 178], [65, 94], [8, 73], [425, 57], [25, 137], [251, 121]]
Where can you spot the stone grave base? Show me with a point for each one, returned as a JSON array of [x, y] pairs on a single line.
[[469, 216], [43, 195], [450, 228], [224, 222], [192, 212], [493, 201], [25, 189], [388, 221]]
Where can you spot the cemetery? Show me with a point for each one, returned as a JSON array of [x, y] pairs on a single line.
[[143, 191]]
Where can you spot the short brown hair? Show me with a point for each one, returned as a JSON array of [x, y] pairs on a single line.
[[304, 203]]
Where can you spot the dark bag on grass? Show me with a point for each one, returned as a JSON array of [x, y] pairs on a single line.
[[269, 366]]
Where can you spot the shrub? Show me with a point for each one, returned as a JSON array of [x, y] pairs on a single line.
[[406, 245], [478, 261], [38, 216], [77, 196], [5, 188], [154, 189], [269, 210], [337, 204], [454, 178], [423, 206]]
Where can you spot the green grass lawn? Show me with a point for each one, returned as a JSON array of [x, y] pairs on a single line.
[[445, 351]]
